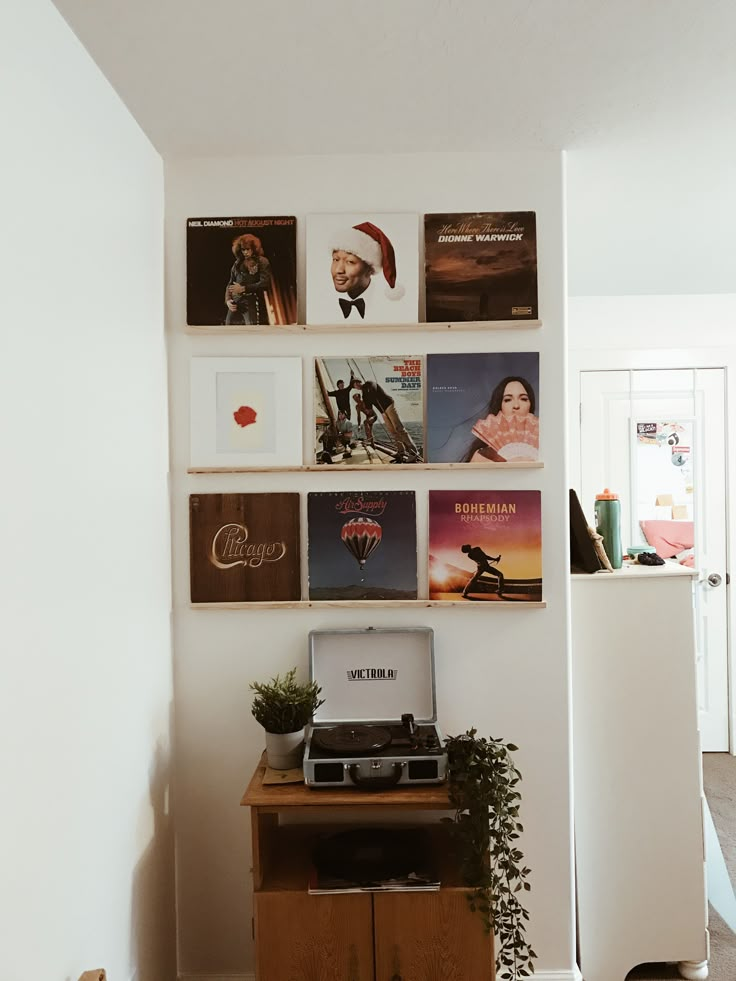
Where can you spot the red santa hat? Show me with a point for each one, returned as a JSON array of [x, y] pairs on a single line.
[[370, 244]]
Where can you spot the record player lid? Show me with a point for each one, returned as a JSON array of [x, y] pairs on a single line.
[[373, 675]]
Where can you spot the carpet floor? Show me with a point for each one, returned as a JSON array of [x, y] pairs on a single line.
[[719, 780]]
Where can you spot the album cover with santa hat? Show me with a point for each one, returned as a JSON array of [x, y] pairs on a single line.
[[362, 269], [483, 407], [481, 266]]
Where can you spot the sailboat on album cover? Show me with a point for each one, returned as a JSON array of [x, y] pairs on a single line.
[[362, 545], [485, 546]]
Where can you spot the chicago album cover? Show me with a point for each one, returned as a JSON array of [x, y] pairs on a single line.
[[362, 545], [485, 546], [362, 269], [368, 410], [483, 407], [241, 272], [481, 266], [244, 547]]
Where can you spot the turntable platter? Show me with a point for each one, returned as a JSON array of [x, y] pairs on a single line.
[[352, 740]]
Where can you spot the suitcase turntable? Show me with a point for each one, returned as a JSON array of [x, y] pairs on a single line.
[[361, 736]]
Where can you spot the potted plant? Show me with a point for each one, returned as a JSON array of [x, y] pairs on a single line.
[[283, 707], [483, 788]]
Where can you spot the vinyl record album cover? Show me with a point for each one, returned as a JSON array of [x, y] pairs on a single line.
[[244, 548], [241, 272], [481, 266], [368, 410], [362, 269], [362, 545], [483, 407], [485, 546]]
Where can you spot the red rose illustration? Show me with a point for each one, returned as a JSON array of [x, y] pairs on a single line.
[[245, 416]]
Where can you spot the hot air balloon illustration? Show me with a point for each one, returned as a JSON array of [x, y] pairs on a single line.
[[361, 536]]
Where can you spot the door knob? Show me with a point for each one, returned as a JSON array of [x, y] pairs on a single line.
[[714, 579]]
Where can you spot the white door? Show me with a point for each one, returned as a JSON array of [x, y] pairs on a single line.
[[689, 405]]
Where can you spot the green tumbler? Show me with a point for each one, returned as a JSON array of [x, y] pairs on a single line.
[[608, 524]]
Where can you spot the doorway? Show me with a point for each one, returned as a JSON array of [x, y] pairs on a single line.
[[658, 438]]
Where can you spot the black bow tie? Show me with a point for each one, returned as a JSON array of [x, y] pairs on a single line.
[[347, 306]]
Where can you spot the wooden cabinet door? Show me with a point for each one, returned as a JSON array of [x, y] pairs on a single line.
[[430, 936], [313, 938]]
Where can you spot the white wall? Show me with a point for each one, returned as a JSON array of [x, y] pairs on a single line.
[[504, 671], [85, 844], [651, 216]]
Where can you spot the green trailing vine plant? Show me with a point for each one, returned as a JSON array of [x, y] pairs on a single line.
[[483, 787]]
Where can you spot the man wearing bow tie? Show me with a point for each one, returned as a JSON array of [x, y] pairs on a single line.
[[359, 254]]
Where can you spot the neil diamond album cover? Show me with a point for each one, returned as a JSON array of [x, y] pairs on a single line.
[[481, 266], [362, 545], [485, 546], [241, 272]]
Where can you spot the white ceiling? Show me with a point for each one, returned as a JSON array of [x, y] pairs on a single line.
[[650, 78]]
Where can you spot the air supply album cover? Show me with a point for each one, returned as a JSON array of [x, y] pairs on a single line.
[[362, 545]]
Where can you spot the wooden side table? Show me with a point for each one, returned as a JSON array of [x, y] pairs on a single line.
[[399, 936]]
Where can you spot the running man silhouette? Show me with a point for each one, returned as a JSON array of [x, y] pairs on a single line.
[[482, 560]]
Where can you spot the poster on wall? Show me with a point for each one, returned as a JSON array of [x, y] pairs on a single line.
[[245, 412], [368, 410], [244, 548], [664, 482], [483, 407], [241, 272], [485, 546], [362, 269], [362, 545], [481, 266]]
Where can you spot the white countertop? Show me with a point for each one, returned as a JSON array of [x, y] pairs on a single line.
[[633, 569]]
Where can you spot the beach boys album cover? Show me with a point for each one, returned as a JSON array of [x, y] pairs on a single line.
[[241, 272], [481, 266], [362, 545], [483, 407], [368, 410], [485, 546], [362, 269]]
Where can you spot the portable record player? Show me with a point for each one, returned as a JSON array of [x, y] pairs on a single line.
[[378, 725]]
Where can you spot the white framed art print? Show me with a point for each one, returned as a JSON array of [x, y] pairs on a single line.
[[245, 413]]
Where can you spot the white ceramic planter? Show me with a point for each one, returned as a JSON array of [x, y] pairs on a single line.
[[284, 750]]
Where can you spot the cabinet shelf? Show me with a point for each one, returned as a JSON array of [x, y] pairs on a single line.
[[357, 935], [323, 468], [286, 329]]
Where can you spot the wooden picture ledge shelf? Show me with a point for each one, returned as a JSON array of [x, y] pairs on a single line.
[[287, 329]]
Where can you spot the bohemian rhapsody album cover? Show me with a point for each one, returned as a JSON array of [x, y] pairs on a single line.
[[485, 546]]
